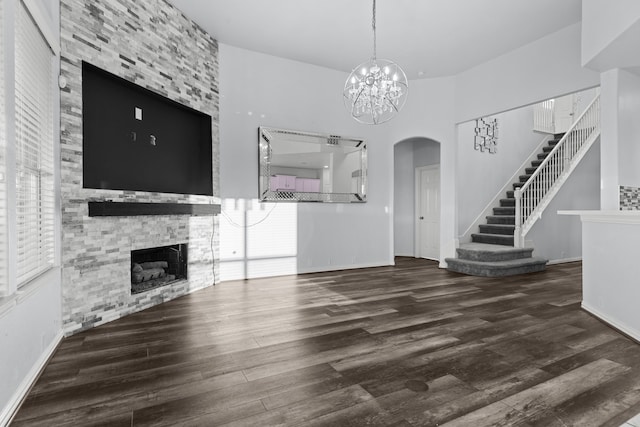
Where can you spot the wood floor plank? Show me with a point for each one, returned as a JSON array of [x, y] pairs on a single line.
[[542, 397], [403, 345]]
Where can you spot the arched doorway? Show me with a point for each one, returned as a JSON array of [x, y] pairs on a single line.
[[416, 201]]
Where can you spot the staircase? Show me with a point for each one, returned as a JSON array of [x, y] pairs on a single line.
[[491, 252], [498, 249]]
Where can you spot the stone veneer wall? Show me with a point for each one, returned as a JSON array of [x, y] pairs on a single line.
[[152, 44], [629, 198]]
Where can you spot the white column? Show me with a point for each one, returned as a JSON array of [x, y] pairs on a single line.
[[609, 174]]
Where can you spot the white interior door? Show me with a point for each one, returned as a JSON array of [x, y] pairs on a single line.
[[428, 212]]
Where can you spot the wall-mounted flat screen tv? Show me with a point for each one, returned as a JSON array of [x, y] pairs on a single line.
[[135, 139]]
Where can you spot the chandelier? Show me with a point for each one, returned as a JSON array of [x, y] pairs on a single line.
[[376, 90]]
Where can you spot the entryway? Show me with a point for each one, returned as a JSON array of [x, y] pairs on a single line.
[[416, 195]]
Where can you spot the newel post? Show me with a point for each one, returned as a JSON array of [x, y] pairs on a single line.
[[517, 241]]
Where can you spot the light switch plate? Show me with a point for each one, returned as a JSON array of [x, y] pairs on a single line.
[[138, 113]]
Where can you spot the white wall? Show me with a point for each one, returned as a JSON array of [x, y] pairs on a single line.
[[604, 24], [609, 186], [425, 153], [408, 155], [558, 237], [480, 174], [403, 199], [620, 107], [429, 113], [30, 325], [30, 319], [629, 129], [262, 90], [343, 167], [543, 69], [258, 89], [516, 141]]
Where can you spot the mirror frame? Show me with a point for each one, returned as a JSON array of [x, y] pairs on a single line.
[[266, 135]]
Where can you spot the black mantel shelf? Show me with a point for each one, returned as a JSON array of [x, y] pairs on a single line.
[[136, 209]]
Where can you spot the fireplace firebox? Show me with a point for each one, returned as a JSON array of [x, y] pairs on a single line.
[[155, 267]]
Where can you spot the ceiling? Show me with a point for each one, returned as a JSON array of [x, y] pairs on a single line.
[[427, 38]]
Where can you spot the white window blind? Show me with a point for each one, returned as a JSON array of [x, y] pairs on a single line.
[[34, 149], [3, 172]]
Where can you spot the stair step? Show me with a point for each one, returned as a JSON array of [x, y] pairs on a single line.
[[504, 210], [501, 219], [558, 136], [502, 229], [553, 142], [517, 185], [510, 194], [491, 253], [530, 171], [541, 156], [524, 178], [536, 163], [548, 148], [494, 239], [496, 268], [507, 202]]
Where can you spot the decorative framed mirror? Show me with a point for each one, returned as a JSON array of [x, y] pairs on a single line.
[[298, 166]]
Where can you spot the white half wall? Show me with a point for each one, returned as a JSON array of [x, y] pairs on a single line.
[[610, 268]]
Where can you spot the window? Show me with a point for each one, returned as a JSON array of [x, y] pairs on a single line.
[[3, 183], [33, 148]]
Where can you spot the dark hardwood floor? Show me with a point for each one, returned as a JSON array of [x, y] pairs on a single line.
[[403, 346]]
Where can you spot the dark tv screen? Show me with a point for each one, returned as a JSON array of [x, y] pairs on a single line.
[[135, 139]]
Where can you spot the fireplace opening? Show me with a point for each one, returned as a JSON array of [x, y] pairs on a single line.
[[155, 267]]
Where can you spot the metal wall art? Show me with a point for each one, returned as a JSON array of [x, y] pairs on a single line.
[[486, 135]]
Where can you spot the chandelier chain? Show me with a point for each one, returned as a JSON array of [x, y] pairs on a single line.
[[373, 25]]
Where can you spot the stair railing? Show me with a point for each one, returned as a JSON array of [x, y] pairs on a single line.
[[535, 194], [543, 116]]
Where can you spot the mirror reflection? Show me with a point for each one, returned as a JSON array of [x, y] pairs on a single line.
[[311, 167]]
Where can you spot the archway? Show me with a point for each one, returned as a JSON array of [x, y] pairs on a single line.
[[411, 156]]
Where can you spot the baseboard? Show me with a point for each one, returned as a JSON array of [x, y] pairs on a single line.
[[341, 267], [564, 260], [623, 329], [21, 393]]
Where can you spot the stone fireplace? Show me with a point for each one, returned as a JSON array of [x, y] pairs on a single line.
[[152, 44]]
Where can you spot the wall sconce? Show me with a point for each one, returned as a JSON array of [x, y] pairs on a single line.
[[486, 135]]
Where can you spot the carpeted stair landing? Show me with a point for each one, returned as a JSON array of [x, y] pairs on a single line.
[[489, 260], [491, 252]]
